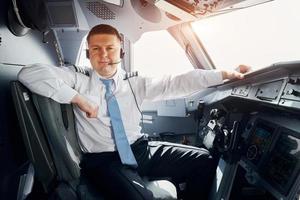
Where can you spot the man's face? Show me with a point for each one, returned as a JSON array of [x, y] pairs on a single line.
[[104, 49]]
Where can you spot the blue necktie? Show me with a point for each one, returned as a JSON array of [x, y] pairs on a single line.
[[121, 141]]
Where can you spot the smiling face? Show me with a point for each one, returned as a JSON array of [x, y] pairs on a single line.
[[104, 50]]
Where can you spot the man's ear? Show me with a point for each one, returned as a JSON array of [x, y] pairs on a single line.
[[122, 53], [87, 54]]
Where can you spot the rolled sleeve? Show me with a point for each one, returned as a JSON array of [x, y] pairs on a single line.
[[64, 95], [209, 78], [49, 81], [179, 86]]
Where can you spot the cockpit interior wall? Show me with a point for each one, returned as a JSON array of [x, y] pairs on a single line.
[[16, 51], [159, 126], [33, 47]]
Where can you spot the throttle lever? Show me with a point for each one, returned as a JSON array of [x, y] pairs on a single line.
[[232, 151], [233, 138]]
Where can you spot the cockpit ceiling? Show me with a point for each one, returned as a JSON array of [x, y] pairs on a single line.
[[134, 17]]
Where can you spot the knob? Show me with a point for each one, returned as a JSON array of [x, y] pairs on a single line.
[[200, 110], [294, 81], [217, 113], [293, 92]]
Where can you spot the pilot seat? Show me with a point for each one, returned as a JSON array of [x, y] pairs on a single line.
[[50, 138]]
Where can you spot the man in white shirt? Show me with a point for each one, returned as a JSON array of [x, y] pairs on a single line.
[[101, 161]]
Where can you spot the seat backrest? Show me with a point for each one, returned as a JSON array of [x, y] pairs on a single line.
[[58, 123], [33, 136], [49, 134]]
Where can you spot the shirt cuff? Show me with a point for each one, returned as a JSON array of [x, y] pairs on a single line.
[[65, 94], [214, 77]]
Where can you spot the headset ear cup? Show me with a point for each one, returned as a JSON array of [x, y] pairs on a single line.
[[87, 54], [122, 53]]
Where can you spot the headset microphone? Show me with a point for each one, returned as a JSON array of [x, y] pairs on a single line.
[[122, 53], [113, 63]]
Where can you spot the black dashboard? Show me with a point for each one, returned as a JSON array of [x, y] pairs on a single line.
[[278, 84], [266, 103]]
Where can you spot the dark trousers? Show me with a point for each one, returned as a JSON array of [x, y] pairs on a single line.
[[157, 160]]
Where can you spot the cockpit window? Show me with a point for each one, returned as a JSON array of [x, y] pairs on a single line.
[[258, 36], [157, 53], [82, 59]]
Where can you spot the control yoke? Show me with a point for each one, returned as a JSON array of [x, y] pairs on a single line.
[[217, 137]]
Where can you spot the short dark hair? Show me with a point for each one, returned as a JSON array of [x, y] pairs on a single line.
[[104, 29]]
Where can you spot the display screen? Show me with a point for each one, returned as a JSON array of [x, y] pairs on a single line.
[[284, 162], [259, 142], [261, 136]]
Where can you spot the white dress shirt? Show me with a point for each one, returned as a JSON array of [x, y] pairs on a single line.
[[95, 134]]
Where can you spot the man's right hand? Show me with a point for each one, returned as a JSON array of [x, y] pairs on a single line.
[[90, 110]]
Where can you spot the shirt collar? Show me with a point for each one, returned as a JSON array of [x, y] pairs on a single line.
[[116, 77]]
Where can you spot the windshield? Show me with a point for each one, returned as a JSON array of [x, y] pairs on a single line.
[[258, 36]]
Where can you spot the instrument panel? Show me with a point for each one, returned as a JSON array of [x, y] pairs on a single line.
[[273, 152], [266, 103], [259, 142], [283, 164]]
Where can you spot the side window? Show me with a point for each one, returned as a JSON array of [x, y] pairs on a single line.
[[157, 53], [82, 60]]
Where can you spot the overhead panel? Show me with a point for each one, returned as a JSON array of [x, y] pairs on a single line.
[[62, 13], [190, 10]]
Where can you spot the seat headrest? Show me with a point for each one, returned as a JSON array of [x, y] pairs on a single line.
[[24, 15]]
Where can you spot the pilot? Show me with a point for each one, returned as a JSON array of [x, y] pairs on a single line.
[[115, 152]]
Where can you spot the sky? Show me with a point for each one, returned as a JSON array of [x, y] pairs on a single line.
[[157, 53]]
